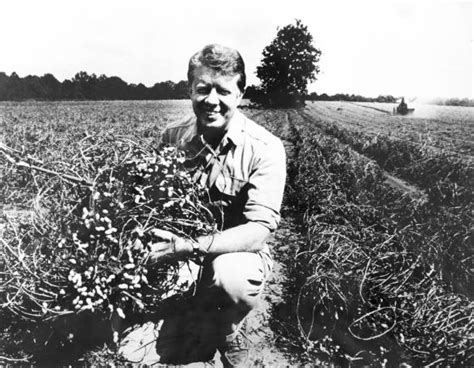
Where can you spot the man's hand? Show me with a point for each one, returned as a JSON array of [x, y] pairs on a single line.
[[171, 247]]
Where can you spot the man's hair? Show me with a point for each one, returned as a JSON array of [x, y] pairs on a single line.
[[224, 60]]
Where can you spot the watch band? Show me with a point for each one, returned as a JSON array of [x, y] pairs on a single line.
[[196, 248]]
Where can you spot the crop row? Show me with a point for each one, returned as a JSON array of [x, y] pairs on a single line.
[[441, 128], [383, 276], [446, 178]]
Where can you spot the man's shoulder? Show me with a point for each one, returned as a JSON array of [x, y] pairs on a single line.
[[259, 134], [184, 123], [176, 130]]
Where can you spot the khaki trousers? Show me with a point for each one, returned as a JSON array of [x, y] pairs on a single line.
[[225, 289]]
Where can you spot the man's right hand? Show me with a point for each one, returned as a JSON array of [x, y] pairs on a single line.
[[170, 248]]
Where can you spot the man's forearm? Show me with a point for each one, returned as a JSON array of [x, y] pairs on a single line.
[[249, 237]]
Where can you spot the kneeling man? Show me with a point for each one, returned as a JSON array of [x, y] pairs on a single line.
[[243, 166]]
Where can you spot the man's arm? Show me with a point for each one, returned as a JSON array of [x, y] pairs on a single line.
[[261, 211], [249, 237]]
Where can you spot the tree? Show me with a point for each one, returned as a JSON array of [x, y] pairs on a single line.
[[181, 90], [288, 64], [255, 94], [87, 85], [51, 86]]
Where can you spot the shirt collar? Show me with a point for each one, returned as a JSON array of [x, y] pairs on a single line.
[[235, 132]]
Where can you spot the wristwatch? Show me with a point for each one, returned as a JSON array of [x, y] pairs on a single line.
[[196, 248]]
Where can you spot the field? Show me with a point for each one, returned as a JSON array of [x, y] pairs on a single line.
[[374, 255], [440, 127]]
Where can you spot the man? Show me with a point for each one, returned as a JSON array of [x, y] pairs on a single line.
[[243, 166]]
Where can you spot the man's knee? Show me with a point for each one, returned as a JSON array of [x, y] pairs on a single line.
[[241, 276]]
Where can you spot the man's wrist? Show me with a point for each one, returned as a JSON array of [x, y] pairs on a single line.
[[205, 244], [195, 248], [183, 246]]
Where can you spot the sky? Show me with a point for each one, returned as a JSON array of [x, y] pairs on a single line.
[[410, 48]]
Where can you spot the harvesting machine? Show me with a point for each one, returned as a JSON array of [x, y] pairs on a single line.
[[402, 108]]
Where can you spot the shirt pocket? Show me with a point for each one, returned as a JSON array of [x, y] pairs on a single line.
[[229, 185]]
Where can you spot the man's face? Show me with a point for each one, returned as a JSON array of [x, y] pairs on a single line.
[[215, 98]]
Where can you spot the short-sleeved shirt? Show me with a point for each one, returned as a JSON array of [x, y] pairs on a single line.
[[245, 174]]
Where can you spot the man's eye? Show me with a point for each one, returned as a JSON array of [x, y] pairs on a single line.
[[202, 90], [224, 92]]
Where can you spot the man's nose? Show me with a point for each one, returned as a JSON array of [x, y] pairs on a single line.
[[212, 98]]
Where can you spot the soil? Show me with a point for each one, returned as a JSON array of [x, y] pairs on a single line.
[[269, 347]]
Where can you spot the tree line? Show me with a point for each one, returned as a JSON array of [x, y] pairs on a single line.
[[85, 87], [453, 101], [90, 87], [256, 94]]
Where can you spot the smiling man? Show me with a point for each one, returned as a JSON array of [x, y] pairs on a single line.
[[243, 166]]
